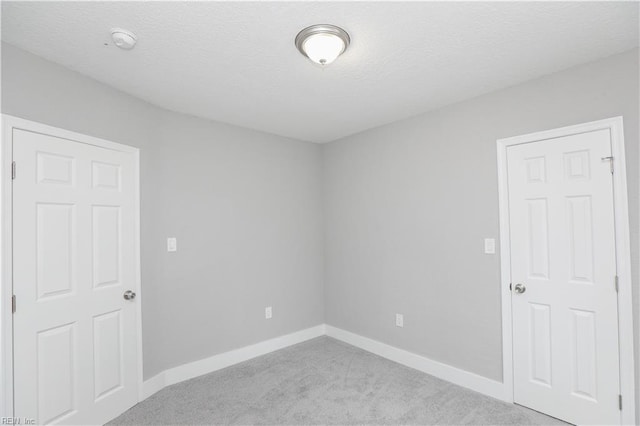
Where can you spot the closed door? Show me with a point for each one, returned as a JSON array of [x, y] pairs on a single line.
[[564, 300], [75, 340]]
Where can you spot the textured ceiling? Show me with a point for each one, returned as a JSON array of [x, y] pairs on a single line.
[[235, 62]]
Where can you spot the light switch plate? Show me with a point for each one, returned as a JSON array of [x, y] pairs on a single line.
[[490, 246], [172, 244]]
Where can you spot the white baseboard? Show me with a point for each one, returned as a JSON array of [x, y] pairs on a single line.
[[442, 371], [226, 359], [153, 385]]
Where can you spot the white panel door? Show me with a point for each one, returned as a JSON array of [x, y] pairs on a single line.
[[75, 340], [565, 323]]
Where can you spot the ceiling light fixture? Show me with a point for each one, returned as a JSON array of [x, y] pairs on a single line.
[[322, 43], [123, 39]]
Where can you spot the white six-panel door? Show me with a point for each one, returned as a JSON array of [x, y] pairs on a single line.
[[565, 322], [75, 336]]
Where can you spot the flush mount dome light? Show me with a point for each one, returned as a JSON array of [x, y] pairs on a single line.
[[322, 43]]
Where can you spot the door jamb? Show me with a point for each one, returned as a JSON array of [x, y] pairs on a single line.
[[6, 256], [623, 255]]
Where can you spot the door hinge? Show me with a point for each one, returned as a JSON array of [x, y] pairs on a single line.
[[615, 281], [13, 304], [610, 160], [13, 170], [620, 402]]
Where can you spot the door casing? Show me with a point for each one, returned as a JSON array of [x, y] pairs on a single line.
[[623, 255], [6, 248]]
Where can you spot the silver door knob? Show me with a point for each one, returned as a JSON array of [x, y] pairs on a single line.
[[519, 288], [129, 295]]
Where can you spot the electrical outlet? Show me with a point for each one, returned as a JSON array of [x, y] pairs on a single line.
[[172, 244], [268, 312], [399, 320]]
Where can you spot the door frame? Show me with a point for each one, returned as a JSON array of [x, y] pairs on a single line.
[[623, 255], [6, 247]]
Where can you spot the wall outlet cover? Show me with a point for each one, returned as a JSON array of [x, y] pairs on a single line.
[[172, 244], [399, 320], [268, 312]]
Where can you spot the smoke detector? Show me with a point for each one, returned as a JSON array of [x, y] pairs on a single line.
[[123, 39]]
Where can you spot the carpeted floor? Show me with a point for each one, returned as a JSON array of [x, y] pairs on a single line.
[[323, 381]]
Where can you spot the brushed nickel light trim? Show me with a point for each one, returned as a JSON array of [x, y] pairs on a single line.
[[324, 29]]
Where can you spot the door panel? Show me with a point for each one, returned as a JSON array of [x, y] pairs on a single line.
[[538, 238], [540, 332], [108, 350], [74, 257], [565, 329], [106, 245], [583, 354], [55, 241], [56, 371]]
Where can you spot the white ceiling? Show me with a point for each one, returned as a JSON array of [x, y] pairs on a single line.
[[236, 62]]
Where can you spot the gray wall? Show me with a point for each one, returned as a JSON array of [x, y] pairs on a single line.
[[407, 207], [244, 205]]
